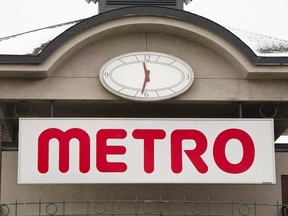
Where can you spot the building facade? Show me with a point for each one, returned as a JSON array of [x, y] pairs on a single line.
[[230, 82]]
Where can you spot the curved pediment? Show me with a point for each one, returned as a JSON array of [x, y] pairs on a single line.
[[196, 29]]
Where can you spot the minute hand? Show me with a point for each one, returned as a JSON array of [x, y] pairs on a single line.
[[147, 78]]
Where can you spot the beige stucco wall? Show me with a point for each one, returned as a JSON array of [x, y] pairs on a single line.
[[77, 76]]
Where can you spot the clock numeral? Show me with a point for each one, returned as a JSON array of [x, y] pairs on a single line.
[[188, 76], [147, 57], [146, 94], [106, 74]]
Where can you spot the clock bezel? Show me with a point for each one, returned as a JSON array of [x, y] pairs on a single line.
[[146, 99]]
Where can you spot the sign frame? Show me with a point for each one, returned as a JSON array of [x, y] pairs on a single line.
[[130, 147]]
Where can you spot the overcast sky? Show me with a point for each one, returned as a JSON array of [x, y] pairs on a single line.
[[260, 16]]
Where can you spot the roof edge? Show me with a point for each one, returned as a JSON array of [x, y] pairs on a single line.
[[143, 11]]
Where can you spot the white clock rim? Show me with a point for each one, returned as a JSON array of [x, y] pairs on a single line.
[[146, 99]]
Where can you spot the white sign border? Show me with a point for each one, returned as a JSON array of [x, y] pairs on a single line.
[[31, 180]]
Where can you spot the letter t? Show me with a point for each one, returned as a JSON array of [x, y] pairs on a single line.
[[149, 135]]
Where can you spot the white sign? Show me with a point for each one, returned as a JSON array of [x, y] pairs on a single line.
[[55, 150]]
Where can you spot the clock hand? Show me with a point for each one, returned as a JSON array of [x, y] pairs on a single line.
[[147, 72], [145, 81], [147, 78]]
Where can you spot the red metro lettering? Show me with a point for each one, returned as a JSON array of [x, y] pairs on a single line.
[[148, 136], [248, 151], [194, 155], [64, 139], [103, 150]]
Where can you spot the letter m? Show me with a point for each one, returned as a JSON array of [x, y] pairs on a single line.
[[64, 139]]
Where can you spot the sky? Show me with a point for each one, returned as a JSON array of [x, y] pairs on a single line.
[[19, 16], [268, 17], [259, 16]]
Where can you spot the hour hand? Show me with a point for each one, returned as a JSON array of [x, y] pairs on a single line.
[[147, 72]]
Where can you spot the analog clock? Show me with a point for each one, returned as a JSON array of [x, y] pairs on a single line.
[[146, 76]]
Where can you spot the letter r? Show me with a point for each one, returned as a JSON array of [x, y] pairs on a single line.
[[194, 155]]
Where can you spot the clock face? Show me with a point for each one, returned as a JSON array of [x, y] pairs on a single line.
[[146, 76]]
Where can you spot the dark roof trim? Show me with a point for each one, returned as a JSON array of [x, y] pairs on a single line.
[[142, 11]]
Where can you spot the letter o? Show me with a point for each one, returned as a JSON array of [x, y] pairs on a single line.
[[220, 155]]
